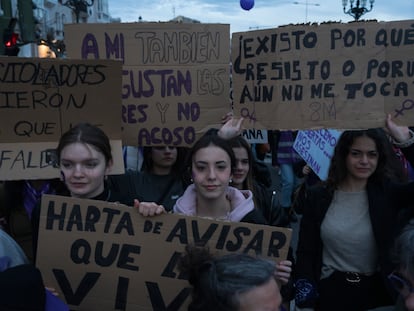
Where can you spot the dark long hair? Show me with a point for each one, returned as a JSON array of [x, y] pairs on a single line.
[[177, 168], [207, 140], [388, 166], [248, 183], [240, 142], [87, 134]]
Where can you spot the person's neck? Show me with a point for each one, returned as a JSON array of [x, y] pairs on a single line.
[[100, 194], [238, 186], [39, 183], [158, 170], [216, 208], [353, 185]]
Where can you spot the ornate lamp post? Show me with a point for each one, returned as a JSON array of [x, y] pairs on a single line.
[[78, 6], [359, 9]]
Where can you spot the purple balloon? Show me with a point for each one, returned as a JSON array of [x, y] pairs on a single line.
[[247, 4]]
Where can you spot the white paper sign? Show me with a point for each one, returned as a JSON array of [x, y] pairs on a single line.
[[255, 136], [316, 147]]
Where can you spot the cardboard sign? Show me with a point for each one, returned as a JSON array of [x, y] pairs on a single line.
[[40, 99], [38, 160], [331, 75], [316, 147], [175, 79], [106, 256]]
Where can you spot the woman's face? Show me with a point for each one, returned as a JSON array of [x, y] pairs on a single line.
[[84, 169], [262, 298], [211, 171], [164, 157], [409, 299], [406, 291], [242, 167], [362, 159]]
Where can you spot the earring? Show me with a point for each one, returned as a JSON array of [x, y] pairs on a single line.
[[230, 180]]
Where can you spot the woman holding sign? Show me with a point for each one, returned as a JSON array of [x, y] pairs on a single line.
[[85, 159], [212, 162], [349, 223]]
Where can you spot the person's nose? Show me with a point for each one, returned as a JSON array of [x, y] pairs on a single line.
[[239, 165], [168, 149], [364, 158], [211, 173], [78, 170], [409, 302]]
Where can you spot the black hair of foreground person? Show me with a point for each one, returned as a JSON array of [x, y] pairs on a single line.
[[223, 283]]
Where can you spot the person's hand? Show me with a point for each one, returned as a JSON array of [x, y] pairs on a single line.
[[306, 170], [400, 133], [148, 208], [52, 290], [284, 269], [226, 117], [232, 128]]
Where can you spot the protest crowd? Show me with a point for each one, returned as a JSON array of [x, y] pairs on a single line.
[[224, 206]]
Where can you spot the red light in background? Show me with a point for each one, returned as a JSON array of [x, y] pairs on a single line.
[[13, 40]]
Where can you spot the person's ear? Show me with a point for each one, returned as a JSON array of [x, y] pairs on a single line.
[[62, 176], [109, 166]]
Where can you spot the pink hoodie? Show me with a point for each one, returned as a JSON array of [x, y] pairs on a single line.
[[241, 203]]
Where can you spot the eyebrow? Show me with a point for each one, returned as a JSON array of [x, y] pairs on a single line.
[[359, 150], [85, 160], [205, 162]]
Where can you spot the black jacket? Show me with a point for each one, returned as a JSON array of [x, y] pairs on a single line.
[[386, 199]]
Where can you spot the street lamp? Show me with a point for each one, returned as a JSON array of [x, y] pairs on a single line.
[[78, 6], [306, 4], [359, 9]]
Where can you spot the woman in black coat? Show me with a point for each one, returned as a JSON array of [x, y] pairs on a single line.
[[349, 224]]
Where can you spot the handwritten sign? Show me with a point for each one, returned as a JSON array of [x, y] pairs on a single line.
[[325, 76], [38, 160], [256, 136], [106, 256], [175, 79], [316, 147], [42, 98]]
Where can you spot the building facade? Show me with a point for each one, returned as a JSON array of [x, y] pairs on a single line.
[[50, 16], [41, 23]]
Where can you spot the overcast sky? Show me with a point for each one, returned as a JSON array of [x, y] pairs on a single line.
[[264, 14]]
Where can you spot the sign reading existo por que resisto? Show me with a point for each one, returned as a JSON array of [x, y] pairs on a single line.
[[332, 75]]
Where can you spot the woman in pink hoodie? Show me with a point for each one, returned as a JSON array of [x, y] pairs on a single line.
[[212, 162]]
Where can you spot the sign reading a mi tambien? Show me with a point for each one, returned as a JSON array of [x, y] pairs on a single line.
[[175, 78]]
